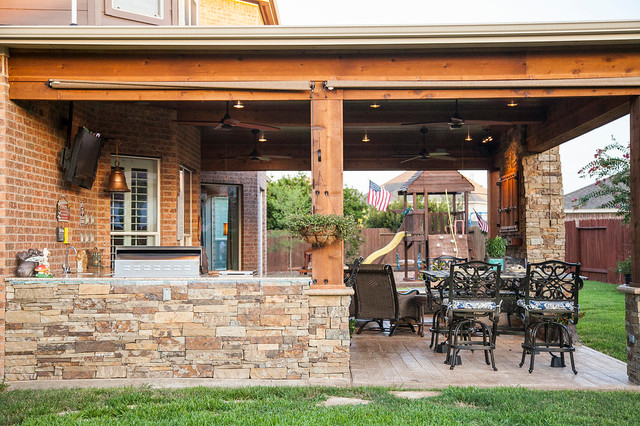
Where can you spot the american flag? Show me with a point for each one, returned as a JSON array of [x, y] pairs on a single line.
[[378, 197], [484, 226]]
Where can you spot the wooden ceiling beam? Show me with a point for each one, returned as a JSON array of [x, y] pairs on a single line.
[[571, 118]]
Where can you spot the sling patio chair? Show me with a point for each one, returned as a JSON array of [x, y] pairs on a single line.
[[377, 300], [350, 281]]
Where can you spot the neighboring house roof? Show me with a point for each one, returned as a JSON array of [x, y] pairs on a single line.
[[594, 203]]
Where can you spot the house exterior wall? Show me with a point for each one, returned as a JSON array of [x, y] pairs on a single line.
[[92, 12], [247, 329], [252, 183], [540, 235], [229, 12]]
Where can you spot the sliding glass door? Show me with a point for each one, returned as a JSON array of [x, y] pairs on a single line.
[[221, 226]]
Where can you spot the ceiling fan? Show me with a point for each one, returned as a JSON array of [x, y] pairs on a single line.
[[255, 155], [439, 154], [227, 123], [456, 121]]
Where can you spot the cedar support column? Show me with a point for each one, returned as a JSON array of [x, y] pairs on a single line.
[[632, 291], [4, 270], [326, 171]]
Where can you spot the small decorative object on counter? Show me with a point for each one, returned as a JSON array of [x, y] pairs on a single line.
[[81, 260], [28, 261], [95, 258], [42, 271]]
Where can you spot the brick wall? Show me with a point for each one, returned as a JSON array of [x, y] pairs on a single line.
[[229, 12], [540, 186], [105, 328], [251, 183]]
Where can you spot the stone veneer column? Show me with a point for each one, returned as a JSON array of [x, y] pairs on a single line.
[[4, 103], [329, 339], [632, 325], [543, 206]]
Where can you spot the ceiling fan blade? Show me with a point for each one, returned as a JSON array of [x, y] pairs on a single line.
[[443, 157], [489, 122], [410, 159], [439, 154], [198, 123], [263, 127], [262, 158], [279, 157]]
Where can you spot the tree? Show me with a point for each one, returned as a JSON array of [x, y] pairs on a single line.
[[612, 169], [285, 196]]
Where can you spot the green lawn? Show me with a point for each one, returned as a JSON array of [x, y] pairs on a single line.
[[299, 406], [602, 326]]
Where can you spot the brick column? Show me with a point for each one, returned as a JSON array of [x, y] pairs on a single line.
[[632, 325], [4, 105]]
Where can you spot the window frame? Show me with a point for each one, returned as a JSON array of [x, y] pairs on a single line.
[[157, 233], [165, 19]]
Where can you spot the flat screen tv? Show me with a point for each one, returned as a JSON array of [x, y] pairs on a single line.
[[81, 161]]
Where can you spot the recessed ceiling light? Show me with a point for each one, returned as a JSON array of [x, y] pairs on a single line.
[[239, 105], [375, 105], [512, 103]]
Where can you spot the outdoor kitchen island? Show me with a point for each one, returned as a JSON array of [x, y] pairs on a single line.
[[92, 327]]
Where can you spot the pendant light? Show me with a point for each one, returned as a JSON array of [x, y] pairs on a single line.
[[468, 138], [117, 179], [365, 138]]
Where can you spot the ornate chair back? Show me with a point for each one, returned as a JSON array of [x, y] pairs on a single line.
[[553, 281], [475, 280]]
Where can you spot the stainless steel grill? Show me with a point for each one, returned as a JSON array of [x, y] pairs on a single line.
[[167, 261]]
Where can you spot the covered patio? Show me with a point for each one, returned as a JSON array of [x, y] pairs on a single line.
[[499, 99]]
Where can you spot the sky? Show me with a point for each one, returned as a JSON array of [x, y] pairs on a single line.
[[574, 154]]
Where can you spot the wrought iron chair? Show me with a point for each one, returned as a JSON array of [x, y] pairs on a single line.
[[511, 289], [474, 289], [435, 295], [350, 281], [550, 298], [377, 299]]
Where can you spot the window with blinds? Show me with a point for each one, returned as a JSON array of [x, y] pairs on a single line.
[[134, 215]]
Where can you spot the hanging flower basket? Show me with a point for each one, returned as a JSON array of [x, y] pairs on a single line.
[[321, 230], [319, 238]]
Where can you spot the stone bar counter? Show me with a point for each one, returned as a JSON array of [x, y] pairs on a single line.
[[220, 328]]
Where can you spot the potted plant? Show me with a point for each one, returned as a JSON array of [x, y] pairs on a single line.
[[624, 267], [321, 230], [496, 248]]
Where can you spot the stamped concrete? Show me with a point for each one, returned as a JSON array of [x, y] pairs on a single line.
[[405, 361]]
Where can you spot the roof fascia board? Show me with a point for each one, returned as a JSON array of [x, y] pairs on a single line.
[[289, 38]]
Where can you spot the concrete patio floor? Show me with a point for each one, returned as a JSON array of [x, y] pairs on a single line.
[[405, 360]]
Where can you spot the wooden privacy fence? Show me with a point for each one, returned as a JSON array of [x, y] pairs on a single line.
[[597, 244], [286, 252]]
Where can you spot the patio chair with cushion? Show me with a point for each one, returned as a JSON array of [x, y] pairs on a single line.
[[550, 300], [474, 289], [349, 281], [435, 295], [377, 299]]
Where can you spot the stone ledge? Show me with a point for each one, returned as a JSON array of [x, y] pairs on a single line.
[[169, 383], [628, 289], [346, 291]]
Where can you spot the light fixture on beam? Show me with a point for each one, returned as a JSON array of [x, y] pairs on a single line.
[[365, 138], [374, 105], [262, 137], [512, 103], [239, 105], [487, 136], [468, 138]]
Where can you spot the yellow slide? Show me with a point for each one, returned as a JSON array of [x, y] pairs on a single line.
[[386, 249]]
